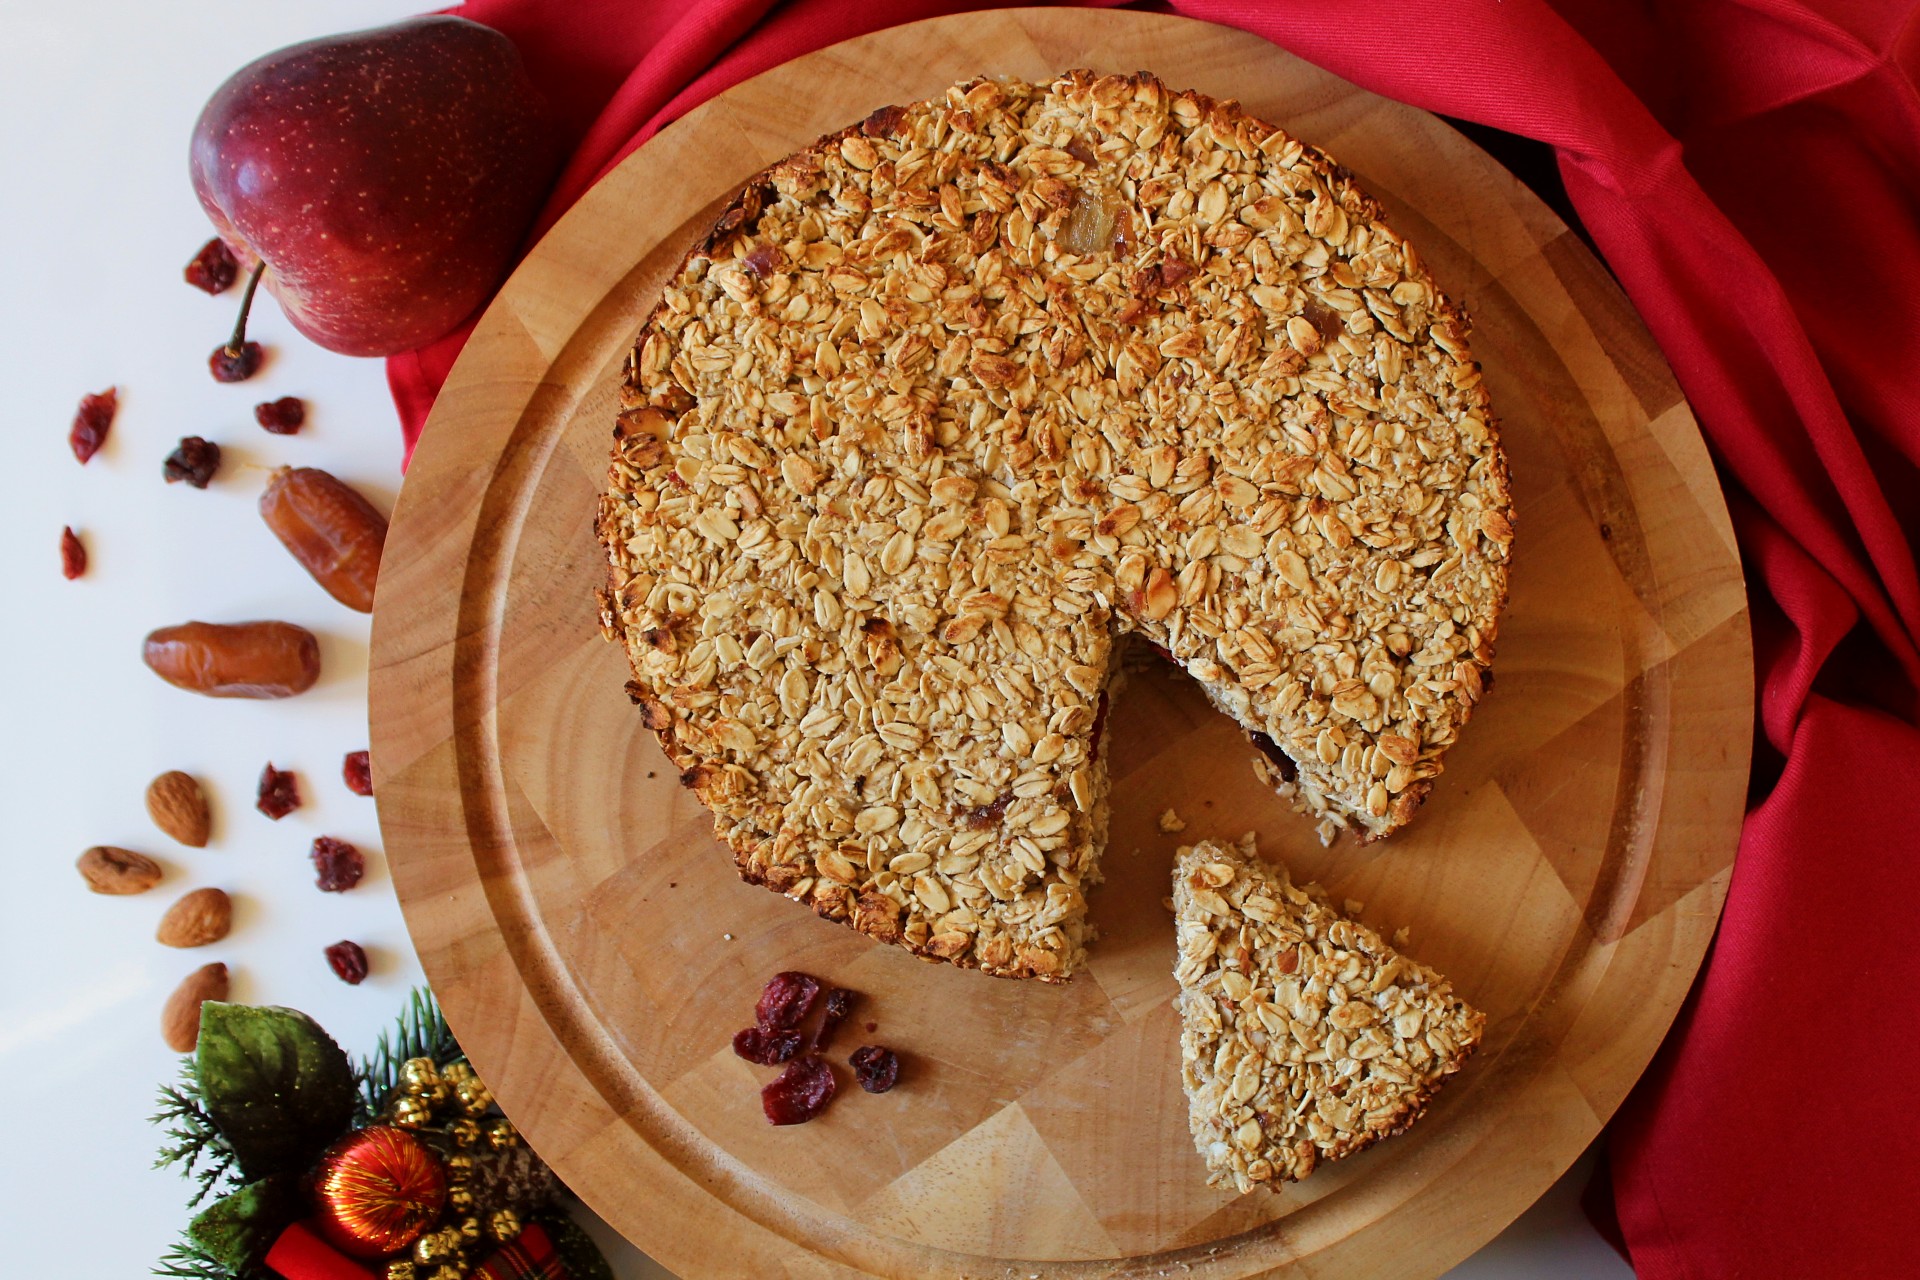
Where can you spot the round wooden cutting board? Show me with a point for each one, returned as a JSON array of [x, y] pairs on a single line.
[[595, 952]]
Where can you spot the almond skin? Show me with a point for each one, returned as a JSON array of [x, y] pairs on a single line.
[[178, 807], [201, 917], [118, 871], [180, 1019]]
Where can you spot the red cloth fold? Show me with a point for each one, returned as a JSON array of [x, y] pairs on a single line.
[[1750, 170]]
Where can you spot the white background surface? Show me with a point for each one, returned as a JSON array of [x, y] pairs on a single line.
[[97, 100]]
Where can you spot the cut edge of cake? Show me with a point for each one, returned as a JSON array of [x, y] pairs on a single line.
[[1305, 1037]]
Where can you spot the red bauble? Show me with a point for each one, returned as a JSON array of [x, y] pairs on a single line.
[[376, 1190]]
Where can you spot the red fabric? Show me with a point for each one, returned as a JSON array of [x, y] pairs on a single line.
[[1750, 171]]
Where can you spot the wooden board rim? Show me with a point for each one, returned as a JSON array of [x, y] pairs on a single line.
[[419, 658]]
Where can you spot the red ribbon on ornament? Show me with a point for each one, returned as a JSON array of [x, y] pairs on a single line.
[[299, 1254]]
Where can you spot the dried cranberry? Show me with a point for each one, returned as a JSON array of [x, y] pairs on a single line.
[[92, 422], [337, 864], [194, 461], [839, 1005], [349, 962], [357, 769], [986, 815], [799, 1093], [73, 556], [875, 1068], [230, 365], [213, 269], [279, 792], [757, 1044], [283, 417], [785, 999]]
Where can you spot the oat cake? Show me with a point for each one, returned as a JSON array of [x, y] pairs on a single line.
[[1304, 1037], [947, 405]]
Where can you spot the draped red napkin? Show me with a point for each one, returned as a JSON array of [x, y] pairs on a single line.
[[1750, 170]]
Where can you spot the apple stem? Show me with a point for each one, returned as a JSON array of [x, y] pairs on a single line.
[[239, 338]]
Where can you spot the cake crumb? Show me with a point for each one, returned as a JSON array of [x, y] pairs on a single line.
[[1171, 822], [1401, 935], [1354, 906]]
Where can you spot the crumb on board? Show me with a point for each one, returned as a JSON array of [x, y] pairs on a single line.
[[1171, 822]]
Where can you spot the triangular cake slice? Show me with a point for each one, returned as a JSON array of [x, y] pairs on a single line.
[[1304, 1036]]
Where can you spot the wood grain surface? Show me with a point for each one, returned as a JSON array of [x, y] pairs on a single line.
[[595, 953]]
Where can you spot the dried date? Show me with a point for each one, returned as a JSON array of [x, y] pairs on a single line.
[[767, 1048], [334, 532], [337, 865], [91, 423], [73, 554], [785, 1000], [279, 792], [799, 1093], [357, 769], [213, 269], [282, 417], [194, 461], [238, 660], [348, 960], [875, 1069]]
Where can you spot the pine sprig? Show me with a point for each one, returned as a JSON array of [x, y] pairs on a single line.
[[198, 1146], [188, 1261], [421, 1032]]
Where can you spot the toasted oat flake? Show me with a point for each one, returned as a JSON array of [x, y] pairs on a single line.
[[950, 403], [1171, 822], [1304, 1036]]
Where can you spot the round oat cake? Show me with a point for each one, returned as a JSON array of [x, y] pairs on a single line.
[[950, 404]]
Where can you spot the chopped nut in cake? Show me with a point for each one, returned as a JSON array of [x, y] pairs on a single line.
[[1304, 1036]]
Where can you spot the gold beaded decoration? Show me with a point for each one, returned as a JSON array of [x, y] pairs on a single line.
[[463, 1132], [501, 1134], [503, 1225], [419, 1074], [402, 1270], [412, 1113]]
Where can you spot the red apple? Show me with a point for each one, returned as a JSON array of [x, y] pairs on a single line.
[[385, 177]]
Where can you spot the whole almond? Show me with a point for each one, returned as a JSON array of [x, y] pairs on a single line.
[[180, 1020], [118, 871], [178, 807], [201, 917]]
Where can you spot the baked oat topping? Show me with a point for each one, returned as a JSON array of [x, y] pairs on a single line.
[[951, 401], [1304, 1036]]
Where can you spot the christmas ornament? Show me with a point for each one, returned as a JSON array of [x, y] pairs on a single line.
[[412, 1113], [474, 1097], [419, 1074], [410, 1170], [436, 1247], [376, 1190]]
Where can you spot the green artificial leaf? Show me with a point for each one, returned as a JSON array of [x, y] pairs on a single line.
[[277, 1085], [237, 1230]]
